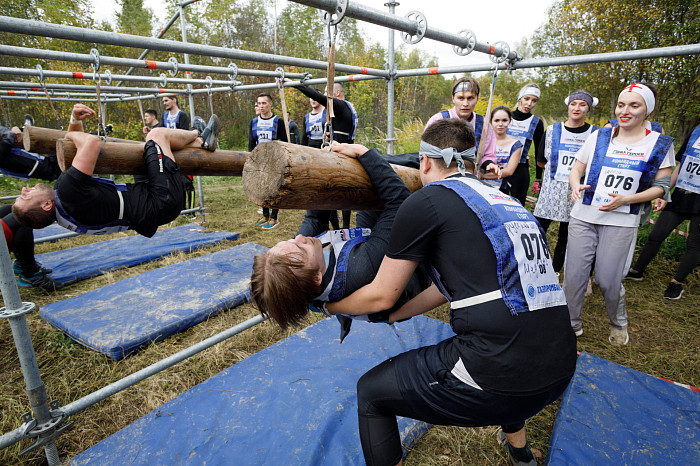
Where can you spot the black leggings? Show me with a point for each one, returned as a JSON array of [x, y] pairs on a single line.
[[664, 226], [448, 402], [22, 242], [563, 237], [270, 213], [518, 183]]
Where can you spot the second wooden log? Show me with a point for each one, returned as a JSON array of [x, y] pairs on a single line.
[[117, 158], [288, 176]]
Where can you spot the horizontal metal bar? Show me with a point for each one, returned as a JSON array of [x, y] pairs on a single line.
[[101, 76], [15, 51], [59, 31], [51, 238], [399, 23], [82, 87], [52, 93], [642, 54], [58, 99]]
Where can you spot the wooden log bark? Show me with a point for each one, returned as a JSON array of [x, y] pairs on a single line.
[[288, 176], [119, 158], [43, 140]]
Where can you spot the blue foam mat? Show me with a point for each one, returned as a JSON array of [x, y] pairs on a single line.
[[120, 318], [294, 402], [611, 414], [90, 260]]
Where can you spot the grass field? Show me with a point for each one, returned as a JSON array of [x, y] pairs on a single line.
[[663, 342]]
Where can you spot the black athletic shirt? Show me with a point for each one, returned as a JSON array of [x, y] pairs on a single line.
[[524, 354], [88, 201], [47, 169], [342, 121]]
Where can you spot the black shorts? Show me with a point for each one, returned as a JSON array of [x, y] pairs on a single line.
[[160, 200]]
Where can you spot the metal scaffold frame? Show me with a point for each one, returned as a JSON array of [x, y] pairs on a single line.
[[46, 421]]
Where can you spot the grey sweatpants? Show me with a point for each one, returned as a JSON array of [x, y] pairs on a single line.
[[610, 246]]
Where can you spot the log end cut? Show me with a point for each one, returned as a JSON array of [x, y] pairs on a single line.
[[263, 172]]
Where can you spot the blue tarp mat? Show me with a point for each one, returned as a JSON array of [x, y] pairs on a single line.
[[118, 319], [294, 403], [90, 260], [611, 414], [51, 230]]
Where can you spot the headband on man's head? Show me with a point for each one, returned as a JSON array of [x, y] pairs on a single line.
[[582, 95], [646, 93], [448, 154], [529, 91], [463, 86]]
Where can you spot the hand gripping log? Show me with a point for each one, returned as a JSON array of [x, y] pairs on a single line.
[[288, 176], [126, 158]]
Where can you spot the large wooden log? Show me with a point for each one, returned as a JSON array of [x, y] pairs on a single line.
[[43, 140], [119, 158], [289, 176]]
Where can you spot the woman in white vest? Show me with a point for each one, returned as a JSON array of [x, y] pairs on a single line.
[[684, 205], [526, 128], [623, 167], [562, 141]]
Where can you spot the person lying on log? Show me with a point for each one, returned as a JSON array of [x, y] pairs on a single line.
[[20, 164], [96, 206]]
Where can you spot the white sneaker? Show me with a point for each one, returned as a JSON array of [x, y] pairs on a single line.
[[578, 332], [618, 337]]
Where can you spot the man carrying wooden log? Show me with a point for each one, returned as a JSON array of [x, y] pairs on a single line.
[[305, 270], [95, 206]]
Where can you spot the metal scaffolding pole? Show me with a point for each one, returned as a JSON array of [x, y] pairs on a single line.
[[391, 68], [58, 31], [44, 425], [103, 393], [83, 87], [414, 25], [108, 76], [172, 65], [5, 92], [190, 99]]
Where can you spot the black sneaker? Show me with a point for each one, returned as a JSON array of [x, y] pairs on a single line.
[[210, 135], [530, 461], [673, 291], [40, 280], [17, 268], [634, 275], [199, 125]]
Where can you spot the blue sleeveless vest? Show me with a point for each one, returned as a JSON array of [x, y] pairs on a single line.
[[689, 172], [478, 124], [557, 146], [523, 135], [66, 221], [525, 272], [648, 168], [314, 124], [265, 130]]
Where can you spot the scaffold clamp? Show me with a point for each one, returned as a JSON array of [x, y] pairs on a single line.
[[7, 313], [32, 429], [334, 17], [471, 43], [421, 24], [40, 73], [305, 76], [108, 77], [96, 58], [505, 51], [173, 61], [163, 80], [234, 72]]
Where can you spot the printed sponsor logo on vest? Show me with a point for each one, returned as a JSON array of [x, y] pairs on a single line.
[[548, 288], [531, 290]]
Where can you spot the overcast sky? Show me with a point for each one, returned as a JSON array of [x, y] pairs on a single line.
[[491, 21]]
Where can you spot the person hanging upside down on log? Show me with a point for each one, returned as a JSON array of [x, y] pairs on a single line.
[[308, 271], [96, 206]]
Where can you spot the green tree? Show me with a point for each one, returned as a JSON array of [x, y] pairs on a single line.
[[133, 18]]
